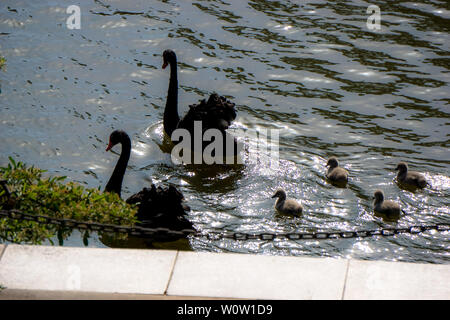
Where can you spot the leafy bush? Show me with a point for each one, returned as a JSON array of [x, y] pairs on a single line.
[[2, 62], [31, 193]]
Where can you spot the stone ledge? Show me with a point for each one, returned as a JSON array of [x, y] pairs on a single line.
[[86, 269], [45, 272], [397, 280], [257, 276], [19, 294]]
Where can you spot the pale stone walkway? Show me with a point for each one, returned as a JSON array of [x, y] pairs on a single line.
[[44, 272]]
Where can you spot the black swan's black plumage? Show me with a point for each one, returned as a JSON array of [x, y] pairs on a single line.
[[217, 112], [157, 206], [165, 206]]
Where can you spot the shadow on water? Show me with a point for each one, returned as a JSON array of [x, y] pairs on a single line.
[[111, 240], [213, 178]]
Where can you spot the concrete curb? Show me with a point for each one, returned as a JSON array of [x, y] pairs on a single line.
[[44, 272], [17, 294]]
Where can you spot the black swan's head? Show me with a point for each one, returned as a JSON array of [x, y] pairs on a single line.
[[402, 166], [168, 57], [333, 162], [118, 136]]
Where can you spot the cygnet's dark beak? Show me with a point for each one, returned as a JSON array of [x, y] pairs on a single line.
[[274, 196], [164, 64]]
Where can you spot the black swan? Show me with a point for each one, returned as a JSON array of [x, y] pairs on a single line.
[[411, 178], [215, 113], [157, 206], [288, 206], [335, 173]]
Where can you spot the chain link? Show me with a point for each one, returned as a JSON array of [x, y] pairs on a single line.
[[217, 235]]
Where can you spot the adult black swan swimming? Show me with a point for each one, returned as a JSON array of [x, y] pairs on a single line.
[[157, 206], [215, 113]]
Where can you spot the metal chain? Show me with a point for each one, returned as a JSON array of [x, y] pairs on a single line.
[[93, 226], [217, 235]]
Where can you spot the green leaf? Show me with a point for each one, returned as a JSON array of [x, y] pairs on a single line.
[[85, 238], [12, 161]]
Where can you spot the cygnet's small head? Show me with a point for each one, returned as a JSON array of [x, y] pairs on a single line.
[[379, 196], [402, 167], [168, 57], [280, 193], [333, 162], [117, 136]]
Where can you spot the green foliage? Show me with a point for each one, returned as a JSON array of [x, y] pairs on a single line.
[[31, 193], [2, 62]]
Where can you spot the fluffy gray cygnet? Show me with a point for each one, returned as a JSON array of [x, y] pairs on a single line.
[[386, 207], [335, 173], [411, 178], [287, 206]]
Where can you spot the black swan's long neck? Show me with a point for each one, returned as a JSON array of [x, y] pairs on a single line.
[[171, 117], [115, 182]]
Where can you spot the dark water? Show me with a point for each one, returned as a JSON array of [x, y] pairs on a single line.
[[311, 69]]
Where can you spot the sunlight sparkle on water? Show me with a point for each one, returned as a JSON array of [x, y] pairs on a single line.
[[140, 149]]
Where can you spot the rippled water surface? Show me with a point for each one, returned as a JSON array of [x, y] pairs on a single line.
[[311, 69]]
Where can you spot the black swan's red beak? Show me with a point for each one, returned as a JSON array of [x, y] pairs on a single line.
[[110, 145], [164, 65]]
